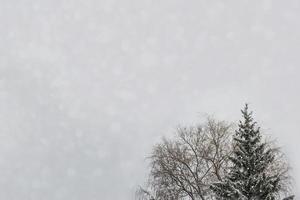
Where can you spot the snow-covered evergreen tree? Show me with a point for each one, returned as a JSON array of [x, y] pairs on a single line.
[[249, 177]]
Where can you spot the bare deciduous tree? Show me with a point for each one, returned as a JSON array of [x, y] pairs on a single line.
[[188, 164]]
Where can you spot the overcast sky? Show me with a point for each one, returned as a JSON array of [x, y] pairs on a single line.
[[88, 86]]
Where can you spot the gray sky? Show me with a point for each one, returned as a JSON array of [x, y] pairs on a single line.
[[87, 87]]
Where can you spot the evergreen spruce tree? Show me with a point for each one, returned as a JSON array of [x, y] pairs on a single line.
[[249, 178]]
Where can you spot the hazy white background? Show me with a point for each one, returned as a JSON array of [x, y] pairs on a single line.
[[88, 86]]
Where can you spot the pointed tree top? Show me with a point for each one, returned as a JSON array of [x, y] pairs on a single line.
[[246, 108], [246, 113]]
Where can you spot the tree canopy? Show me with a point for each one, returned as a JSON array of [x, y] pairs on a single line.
[[211, 161]]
